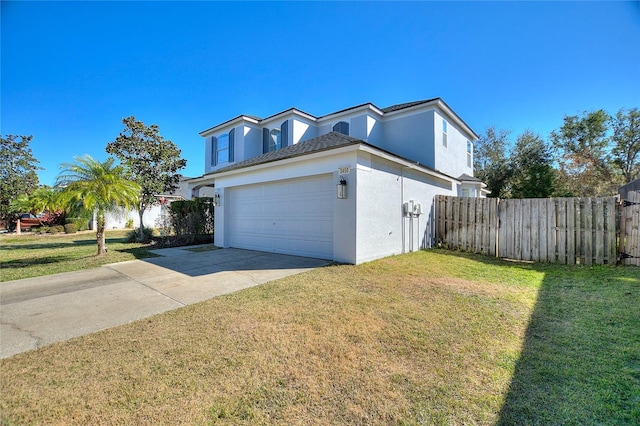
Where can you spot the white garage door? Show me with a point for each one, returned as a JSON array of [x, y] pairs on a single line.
[[292, 217]]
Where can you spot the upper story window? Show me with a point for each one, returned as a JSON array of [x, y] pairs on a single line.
[[222, 148], [341, 127], [444, 133], [274, 139], [469, 154]]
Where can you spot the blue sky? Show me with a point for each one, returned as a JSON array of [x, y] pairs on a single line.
[[71, 71]]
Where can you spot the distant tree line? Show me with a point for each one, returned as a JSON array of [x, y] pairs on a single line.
[[590, 155]]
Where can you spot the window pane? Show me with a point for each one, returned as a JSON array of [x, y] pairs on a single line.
[[223, 156], [223, 142], [274, 140], [341, 127], [222, 153]]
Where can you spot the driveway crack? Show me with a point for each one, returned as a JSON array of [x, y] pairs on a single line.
[[38, 340], [147, 286]]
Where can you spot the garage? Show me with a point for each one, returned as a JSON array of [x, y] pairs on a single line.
[[293, 216]]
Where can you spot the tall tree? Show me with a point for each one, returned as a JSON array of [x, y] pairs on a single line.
[[153, 161], [18, 169], [583, 154], [491, 161], [531, 162], [100, 187], [626, 143]]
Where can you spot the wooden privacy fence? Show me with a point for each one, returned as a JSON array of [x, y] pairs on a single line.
[[562, 230]]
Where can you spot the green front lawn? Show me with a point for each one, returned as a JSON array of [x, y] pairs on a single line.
[[425, 338], [30, 255]]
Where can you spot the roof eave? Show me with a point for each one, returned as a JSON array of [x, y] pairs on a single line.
[[238, 119]]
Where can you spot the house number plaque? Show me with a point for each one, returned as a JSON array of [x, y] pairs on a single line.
[[344, 170]]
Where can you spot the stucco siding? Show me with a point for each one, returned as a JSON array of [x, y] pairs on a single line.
[[382, 227], [411, 136], [302, 130], [379, 209], [451, 159], [252, 143], [151, 218]]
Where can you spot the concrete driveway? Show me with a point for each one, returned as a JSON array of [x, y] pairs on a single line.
[[39, 311]]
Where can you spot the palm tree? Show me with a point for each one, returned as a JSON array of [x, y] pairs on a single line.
[[99, 186], [45, 198]]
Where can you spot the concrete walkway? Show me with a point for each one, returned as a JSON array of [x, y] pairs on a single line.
[[39, 311]]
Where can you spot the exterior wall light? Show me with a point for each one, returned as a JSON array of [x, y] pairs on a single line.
[[342, 188], [216, 200]]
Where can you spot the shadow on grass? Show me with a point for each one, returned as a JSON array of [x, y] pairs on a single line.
[[46, 245], [139, 252], [580, 362], [21, 263]]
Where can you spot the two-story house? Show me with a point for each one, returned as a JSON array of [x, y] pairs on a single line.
[[351, 186]]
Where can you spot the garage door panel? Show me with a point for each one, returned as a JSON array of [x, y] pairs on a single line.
[[294, 217]]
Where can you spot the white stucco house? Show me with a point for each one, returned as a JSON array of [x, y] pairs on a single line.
[[351, 186]]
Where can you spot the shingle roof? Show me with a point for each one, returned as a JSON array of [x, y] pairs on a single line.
[[406, 105], [321, 143]]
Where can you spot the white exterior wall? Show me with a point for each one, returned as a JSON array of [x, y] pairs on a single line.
[[151, 218], [451, 159], [302, 130], [252, 146], [411, 136], [366, 127], [383, 187]]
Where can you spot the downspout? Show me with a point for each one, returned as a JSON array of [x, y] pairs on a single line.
[[402, 205]]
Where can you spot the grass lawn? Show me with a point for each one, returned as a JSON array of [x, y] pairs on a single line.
[[430, 337], [30, 255]]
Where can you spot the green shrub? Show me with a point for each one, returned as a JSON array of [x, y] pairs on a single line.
[[70, 228], [129, 223], [133, 236], [192, 219], [53, 230]]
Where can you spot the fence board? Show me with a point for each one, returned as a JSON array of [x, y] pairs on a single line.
[[571, 231], [495, 206], [611, 231], [630, 230], [535, 229], [634, 246], [477, 228], [599, 231], [588, 231], [561, 230], [579, 205], [542, 232]]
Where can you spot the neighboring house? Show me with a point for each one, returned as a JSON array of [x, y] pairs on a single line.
[[280, 181], [631, 186], [155, 215]]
